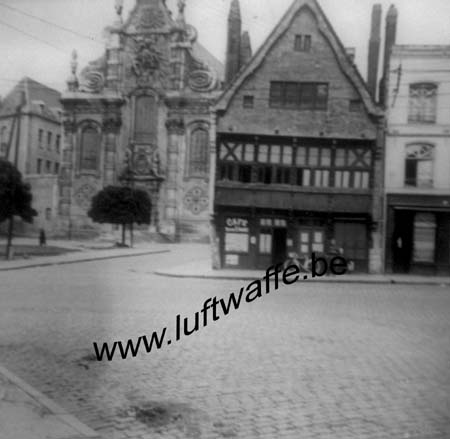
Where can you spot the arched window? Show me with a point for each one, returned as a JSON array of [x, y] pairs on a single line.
[[419, 165], [422, 103], [145, 119], [198, 153], [90, 148]]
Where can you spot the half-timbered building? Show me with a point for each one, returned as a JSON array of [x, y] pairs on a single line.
[[298, 151]]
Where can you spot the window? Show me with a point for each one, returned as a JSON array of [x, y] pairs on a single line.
[[353, 168], [39, 166], [355, 105], [40, 138], [248, 101], [422, 103], [48, 167], [265, 243], [145, 119], [90, 146], [313, 166], [49, 140], [58, 144], [302, 43], [198, 152], [299, 95], [419, 165], [56, 168], [424, 237]]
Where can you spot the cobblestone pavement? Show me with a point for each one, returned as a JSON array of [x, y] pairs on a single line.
[[308, 361]]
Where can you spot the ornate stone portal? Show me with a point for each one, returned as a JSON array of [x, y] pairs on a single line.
[[140, 115]]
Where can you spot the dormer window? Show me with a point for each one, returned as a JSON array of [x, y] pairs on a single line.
[[302, 43]]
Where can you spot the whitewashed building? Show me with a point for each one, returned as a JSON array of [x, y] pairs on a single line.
[[417, 170]]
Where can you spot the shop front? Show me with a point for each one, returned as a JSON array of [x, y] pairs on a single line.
[[418, 232], [257, 239]]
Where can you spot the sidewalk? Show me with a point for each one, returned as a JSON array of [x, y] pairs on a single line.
[[202, 270], [85, 254], [26, 413]]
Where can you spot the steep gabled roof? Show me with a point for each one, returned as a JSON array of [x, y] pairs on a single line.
[[348, 68]]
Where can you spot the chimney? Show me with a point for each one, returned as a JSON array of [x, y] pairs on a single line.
[[246, 49], [233, 55], [351, 53], [391, 32], [374, 50]]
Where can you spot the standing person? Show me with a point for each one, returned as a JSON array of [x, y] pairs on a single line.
[[42, 238]]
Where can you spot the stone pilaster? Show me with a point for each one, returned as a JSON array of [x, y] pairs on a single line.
[[111, 129], [66, 175], [377, 227], [175, 130]]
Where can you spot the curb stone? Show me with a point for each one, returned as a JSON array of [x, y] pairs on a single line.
[[85, 259], [82, 430]]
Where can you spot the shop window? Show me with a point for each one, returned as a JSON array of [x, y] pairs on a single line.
[[90, 147], [419, 165], [265, 243], [422, 103], [198, 152], [424, 237], [236, 242], [311, 240]]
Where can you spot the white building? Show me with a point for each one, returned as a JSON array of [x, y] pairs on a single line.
[[417, 171]]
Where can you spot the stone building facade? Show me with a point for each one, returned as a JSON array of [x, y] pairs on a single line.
[[299, 149], [37, 152], [140, 115], [418, 160]]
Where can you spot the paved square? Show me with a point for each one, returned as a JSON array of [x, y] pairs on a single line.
[[313, 360]]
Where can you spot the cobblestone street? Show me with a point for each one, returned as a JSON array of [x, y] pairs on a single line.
[[312, 360]]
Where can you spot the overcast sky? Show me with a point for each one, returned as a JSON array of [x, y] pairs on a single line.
[[30, 47]]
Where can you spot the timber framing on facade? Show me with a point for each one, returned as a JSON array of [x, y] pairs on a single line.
[[299, 149]]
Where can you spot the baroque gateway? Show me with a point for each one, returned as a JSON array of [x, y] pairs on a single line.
[[146, 102]]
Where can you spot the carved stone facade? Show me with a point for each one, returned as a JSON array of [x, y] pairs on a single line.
[[141, 115]]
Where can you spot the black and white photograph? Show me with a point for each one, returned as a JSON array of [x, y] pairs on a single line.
[[225, 219]]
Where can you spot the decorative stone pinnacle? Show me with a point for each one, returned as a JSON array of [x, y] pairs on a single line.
[[119, 8], [72, 83]]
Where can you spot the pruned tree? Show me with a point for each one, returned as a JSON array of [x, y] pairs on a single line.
[[121, 205], [15, 198]]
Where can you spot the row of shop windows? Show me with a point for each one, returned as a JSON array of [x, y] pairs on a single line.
[[352, 237]]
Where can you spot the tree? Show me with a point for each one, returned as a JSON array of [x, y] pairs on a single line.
[[15, 198], [121, 205]]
